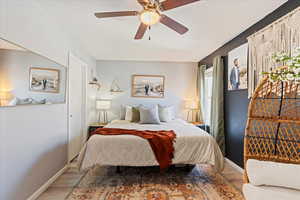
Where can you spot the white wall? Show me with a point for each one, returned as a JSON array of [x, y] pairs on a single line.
[[180, 83], [33, 139]]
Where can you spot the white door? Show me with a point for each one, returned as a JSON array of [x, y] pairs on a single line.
[[77, 105]]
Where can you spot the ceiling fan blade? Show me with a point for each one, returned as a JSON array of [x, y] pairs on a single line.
[[170, 4], [143, 2], [172, 24], [141, 31], [116, 14]]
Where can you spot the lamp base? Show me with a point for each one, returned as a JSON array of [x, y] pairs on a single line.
[[191, 112], [103, 119]]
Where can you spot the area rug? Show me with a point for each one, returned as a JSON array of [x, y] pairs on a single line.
[[148, 183]]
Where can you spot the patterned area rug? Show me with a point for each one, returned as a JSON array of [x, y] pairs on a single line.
[[147, 183]]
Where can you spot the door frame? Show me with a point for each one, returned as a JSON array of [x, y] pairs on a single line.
[[84, 123]]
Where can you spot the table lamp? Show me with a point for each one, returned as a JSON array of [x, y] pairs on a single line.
[[103, 105], [5, 97]]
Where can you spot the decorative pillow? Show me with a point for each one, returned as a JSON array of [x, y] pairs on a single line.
[[149, 115], [25, 101], [135, 114], [128, 115], [273, 174], [165, 113], [43, 101]]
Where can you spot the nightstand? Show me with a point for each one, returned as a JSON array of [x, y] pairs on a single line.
[[93, 127], [202, 126]]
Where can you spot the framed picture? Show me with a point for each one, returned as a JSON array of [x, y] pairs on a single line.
[[237, 68], [148, 86], [44, 80]]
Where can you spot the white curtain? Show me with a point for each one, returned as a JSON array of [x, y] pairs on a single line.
[[217, 103], [201, 91]]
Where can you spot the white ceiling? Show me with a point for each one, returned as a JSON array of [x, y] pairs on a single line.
[[212, 23]]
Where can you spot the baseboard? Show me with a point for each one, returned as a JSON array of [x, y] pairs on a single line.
[[44, 187], [235, 166]]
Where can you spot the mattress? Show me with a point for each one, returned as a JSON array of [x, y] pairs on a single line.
[[192, 146]]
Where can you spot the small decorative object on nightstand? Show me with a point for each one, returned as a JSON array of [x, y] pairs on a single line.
[[202, 126], [94, 126]]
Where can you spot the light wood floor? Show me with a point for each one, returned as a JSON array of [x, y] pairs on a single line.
[[60, 189]]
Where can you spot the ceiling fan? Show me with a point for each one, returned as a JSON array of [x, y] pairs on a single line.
[[152, 14]]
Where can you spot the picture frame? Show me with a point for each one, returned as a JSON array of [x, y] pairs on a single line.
[[148, 86], [238, 68], [46, 80]]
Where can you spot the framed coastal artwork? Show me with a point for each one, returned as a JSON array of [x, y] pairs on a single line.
[[237, 68], [44, 80], [148, 86]]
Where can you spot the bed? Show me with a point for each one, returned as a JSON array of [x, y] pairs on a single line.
[[193, 146]]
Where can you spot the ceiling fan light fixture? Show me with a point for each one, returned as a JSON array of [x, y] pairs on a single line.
[[149, 17]]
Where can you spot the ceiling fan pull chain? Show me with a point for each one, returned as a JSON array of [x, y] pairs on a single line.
[[149, 32]]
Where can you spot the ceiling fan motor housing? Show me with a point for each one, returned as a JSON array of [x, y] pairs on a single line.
[[150, 17]]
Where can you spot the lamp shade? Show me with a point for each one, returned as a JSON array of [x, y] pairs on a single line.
[[5, 96], [103, 104], [191, 104]]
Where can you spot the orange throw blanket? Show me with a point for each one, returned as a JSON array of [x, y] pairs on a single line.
[[161, 142]]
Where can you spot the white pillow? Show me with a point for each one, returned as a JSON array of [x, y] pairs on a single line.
[[273, 174], [24, 101], [149, 115], [165, 113], [128, 114]]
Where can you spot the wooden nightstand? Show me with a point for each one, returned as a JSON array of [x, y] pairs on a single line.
[[93, 127], [202, 126]]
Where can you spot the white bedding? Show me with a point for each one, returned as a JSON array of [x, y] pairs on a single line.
[[192, 146]]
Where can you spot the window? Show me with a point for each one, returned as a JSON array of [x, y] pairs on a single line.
[[208, 94]]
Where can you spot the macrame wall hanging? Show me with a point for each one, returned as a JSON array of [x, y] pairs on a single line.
[[282, 36]]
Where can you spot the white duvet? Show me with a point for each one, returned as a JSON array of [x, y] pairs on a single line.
[[192, 146]]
